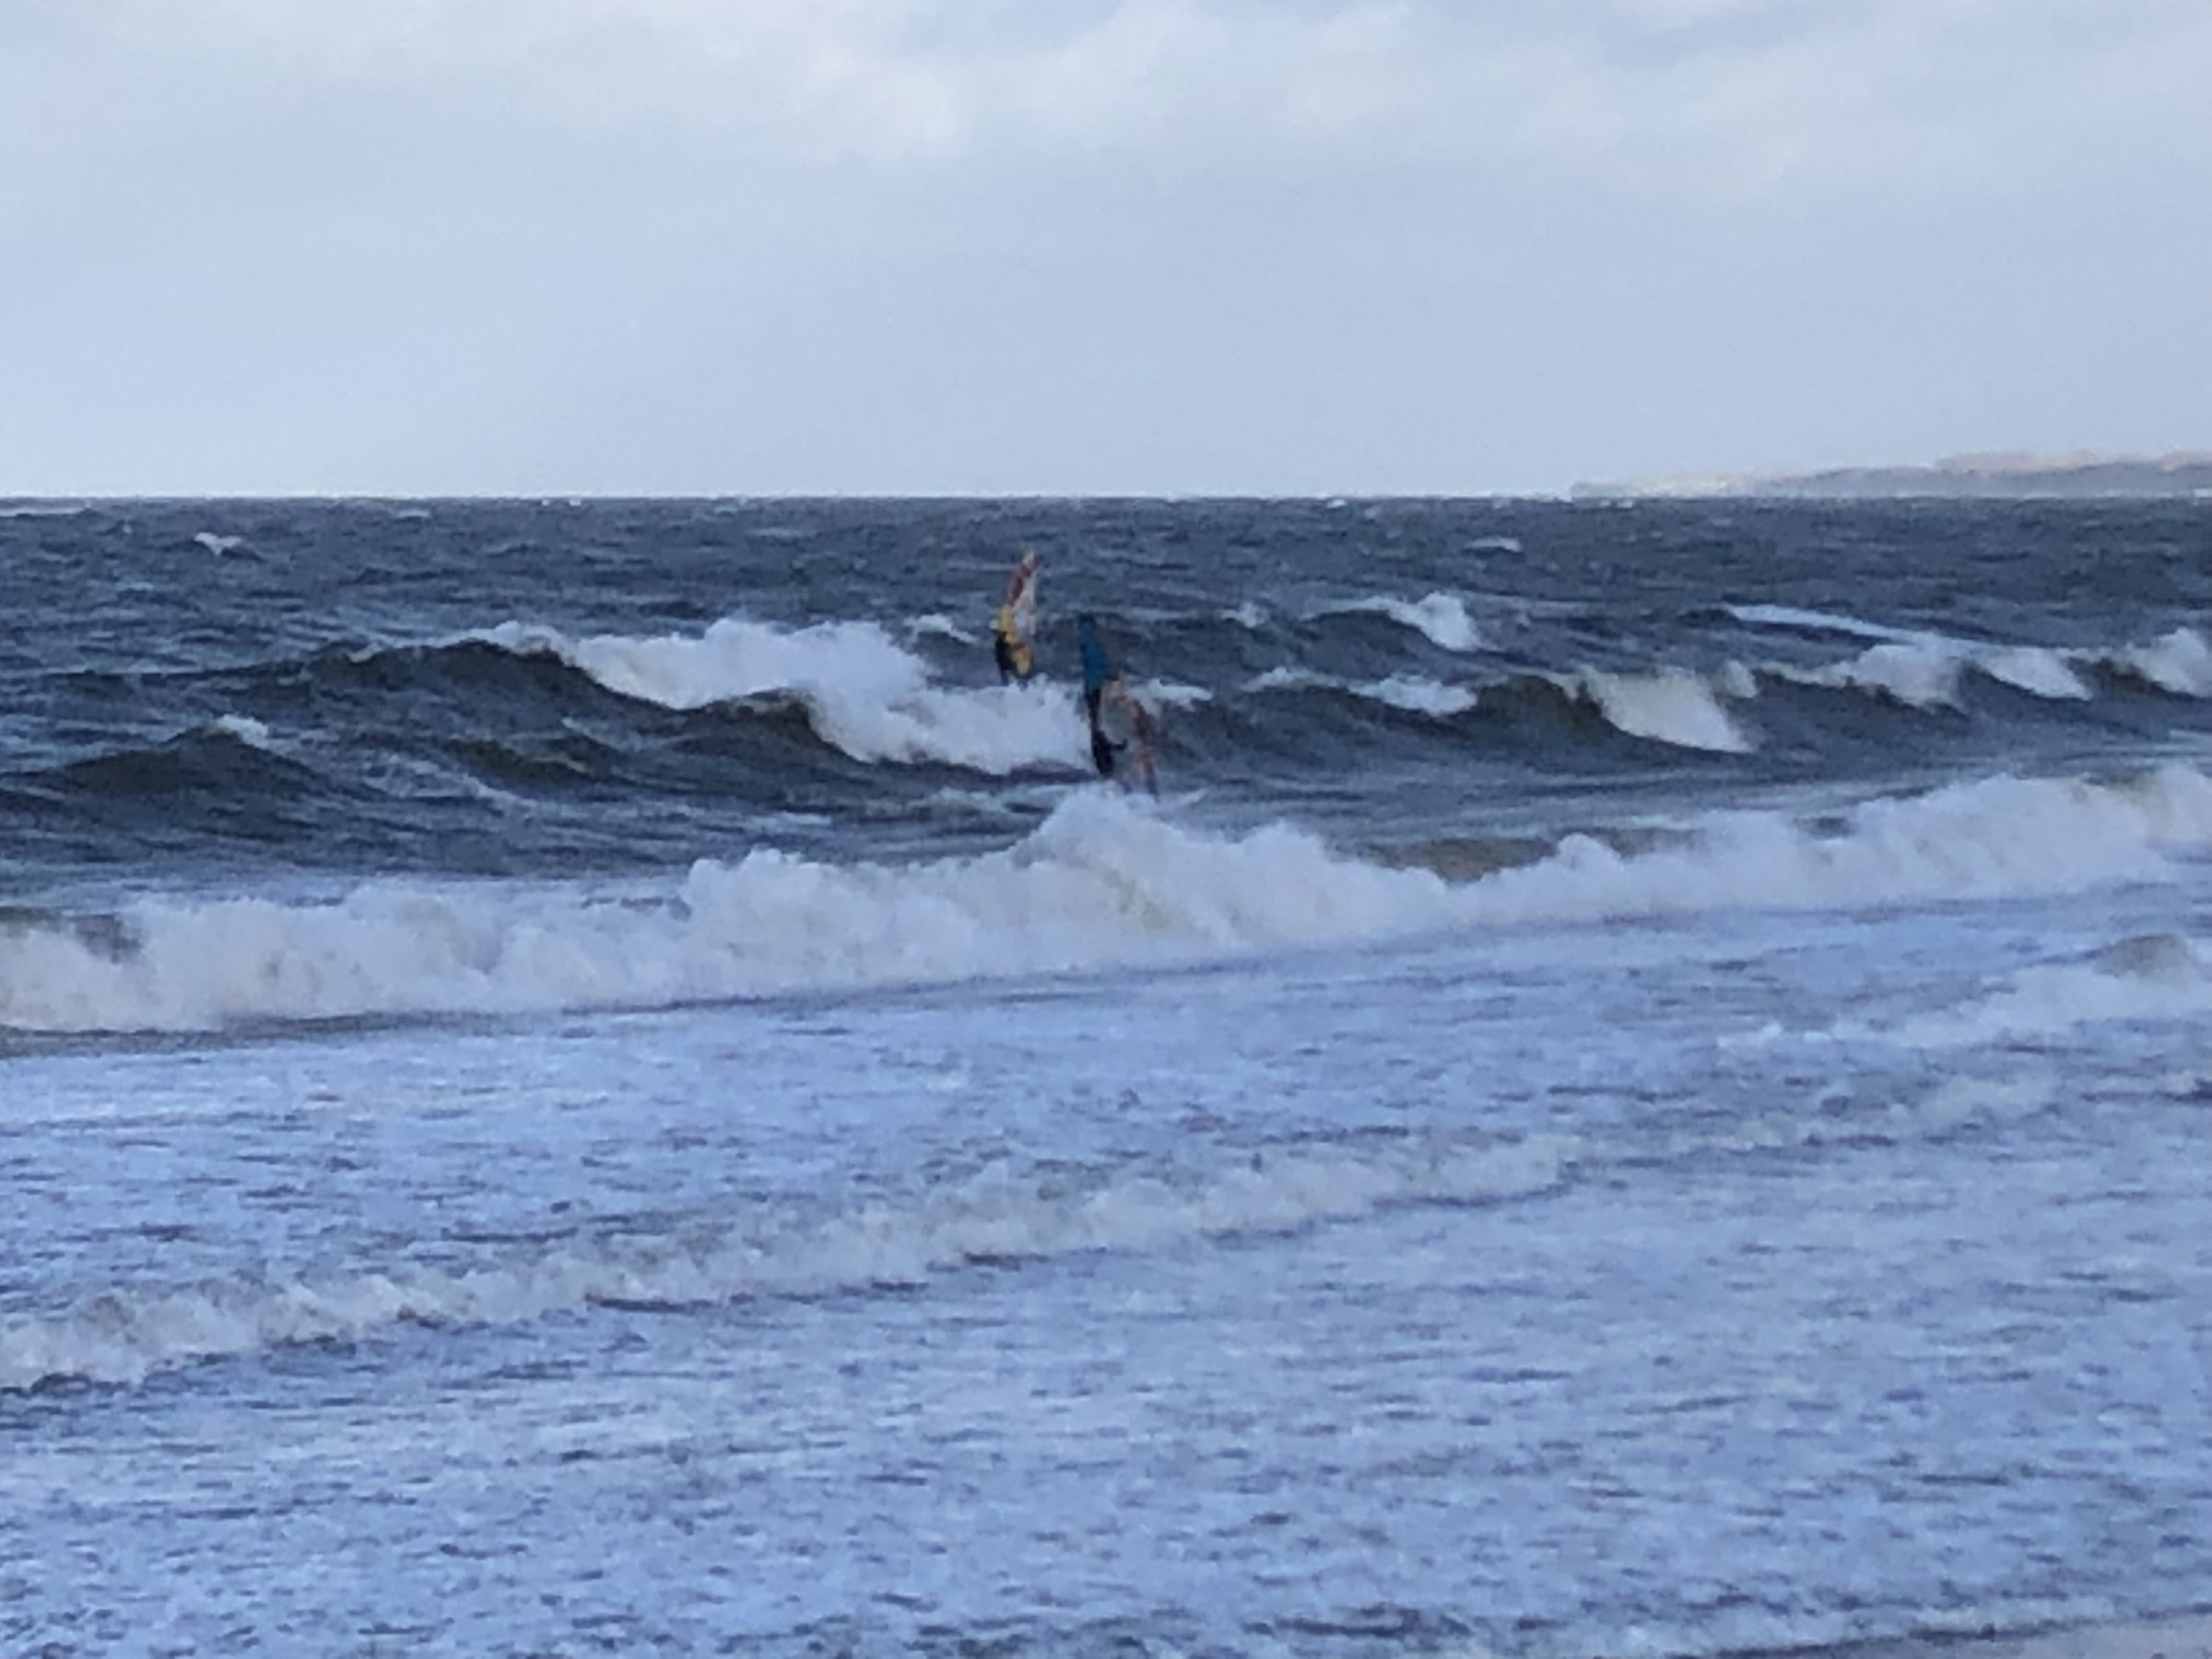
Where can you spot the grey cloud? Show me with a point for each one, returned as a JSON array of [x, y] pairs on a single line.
[[1679, 86], [573, 244]]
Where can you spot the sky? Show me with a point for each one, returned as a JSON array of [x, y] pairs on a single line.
[[753, 247]]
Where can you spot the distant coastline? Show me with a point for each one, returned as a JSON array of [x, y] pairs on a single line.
[[2182, 473]]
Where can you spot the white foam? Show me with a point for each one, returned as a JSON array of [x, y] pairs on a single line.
[[938, 626], [1001, 1214], [2179, 663], [1670, 706], [2034, 669], [1416, 694], [1420, 695], [1992, 839], [1101, 882], [1733, 680], [1442, 618], [1157, 695], [864, 692], [1917, 666], [1925, 671], [1105, 882], [243, 727], [1921, 673], [1813, 621], [2159, 978], [220, 545], [125, 1337]]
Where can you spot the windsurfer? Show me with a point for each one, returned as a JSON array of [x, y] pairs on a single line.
[[1016, 621], [1103, 690]]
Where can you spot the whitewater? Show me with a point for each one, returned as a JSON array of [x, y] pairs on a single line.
[[581, 1077]]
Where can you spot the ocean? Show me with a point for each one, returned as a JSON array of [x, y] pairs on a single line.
[[579, 1078]]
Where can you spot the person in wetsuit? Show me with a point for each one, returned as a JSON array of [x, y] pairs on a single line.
[[1102, 688], [1098, 672]]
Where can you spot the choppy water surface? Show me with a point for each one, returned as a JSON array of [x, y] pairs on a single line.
[[580, 1079]]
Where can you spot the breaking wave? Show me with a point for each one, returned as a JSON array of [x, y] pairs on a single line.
[[2147, 979], [1103, 883], [1672, 706], [2179, 663], [864, 692], [999, 1216], [1923, 668], [1410, 693], [1442, 618]]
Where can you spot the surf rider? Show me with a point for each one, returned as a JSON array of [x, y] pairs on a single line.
[[1103, 689], [1098, 667], [1016, 621]]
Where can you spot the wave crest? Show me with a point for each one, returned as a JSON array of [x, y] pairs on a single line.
[[1103, 883], [1672, 706], [864, 692], [1442, 618]]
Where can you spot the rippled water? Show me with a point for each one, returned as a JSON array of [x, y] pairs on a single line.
[[579, 1079]]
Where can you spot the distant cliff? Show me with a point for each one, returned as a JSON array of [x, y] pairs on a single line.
[[2183, 473]]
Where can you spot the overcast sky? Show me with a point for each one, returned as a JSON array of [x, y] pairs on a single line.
[[1086, 246]]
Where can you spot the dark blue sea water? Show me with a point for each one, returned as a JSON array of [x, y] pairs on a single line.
[[581, 1077], [528, 689]]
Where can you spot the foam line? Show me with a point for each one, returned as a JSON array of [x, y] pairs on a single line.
[[1104, 882], [1917, 666], [2150, 979], [126, 1334]]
